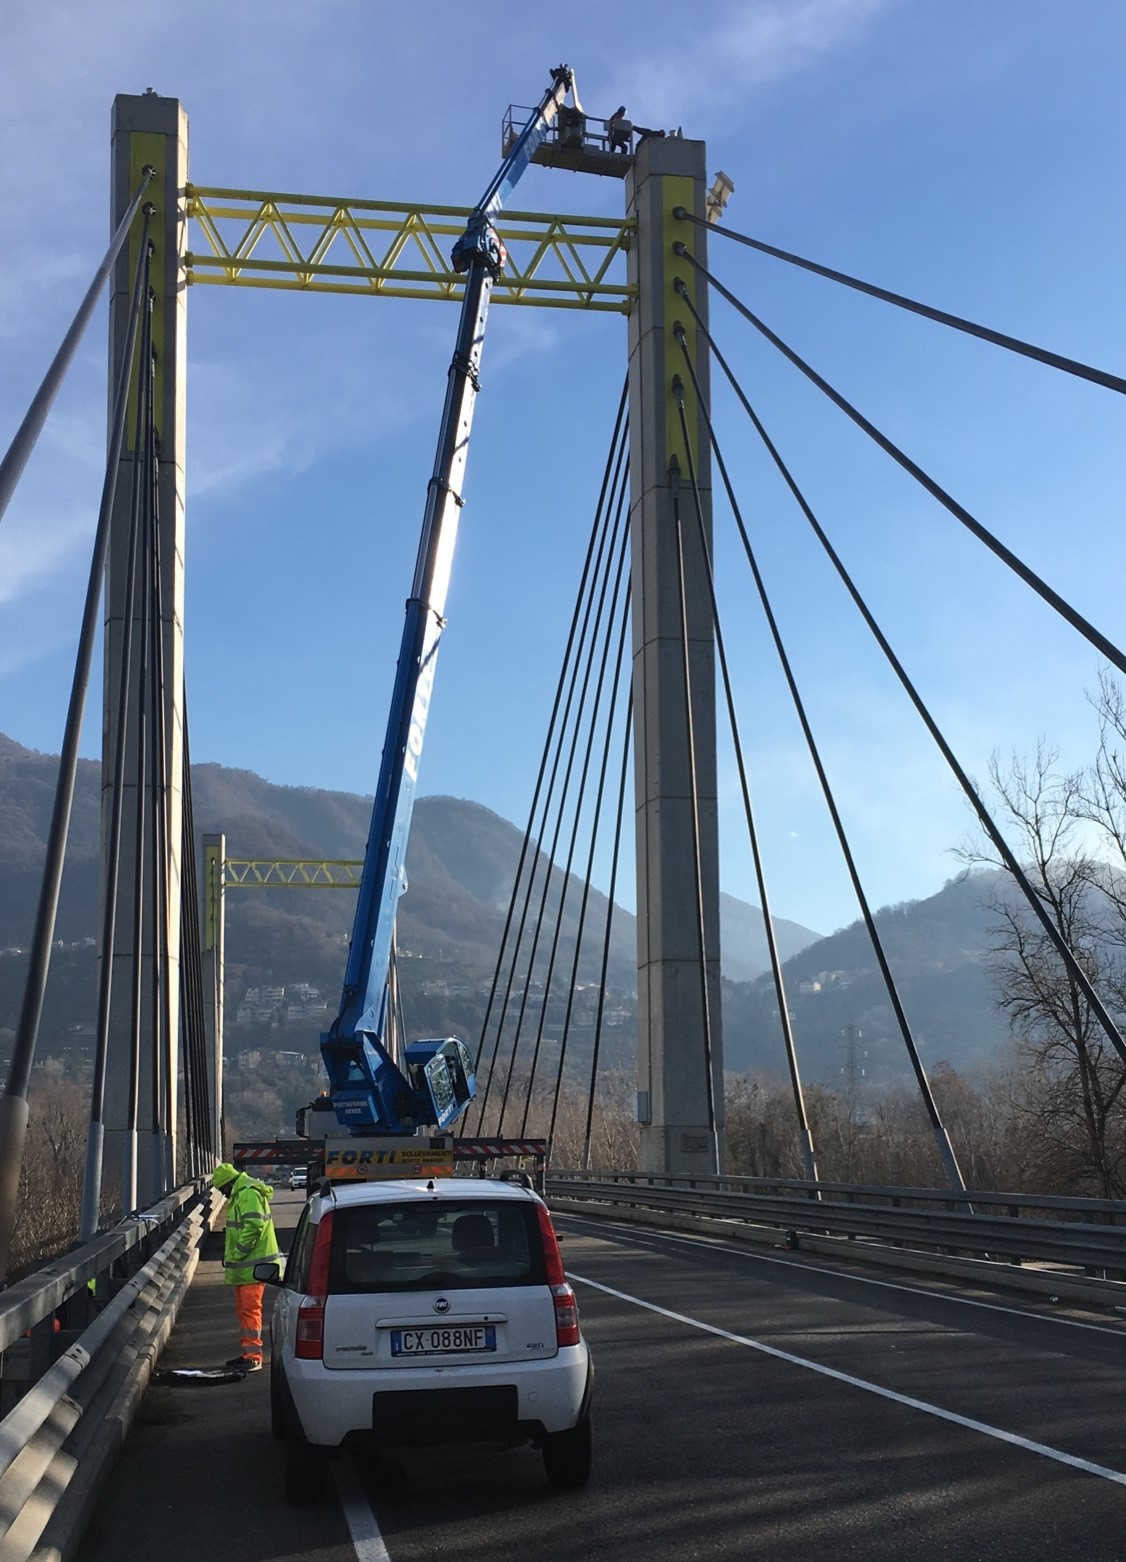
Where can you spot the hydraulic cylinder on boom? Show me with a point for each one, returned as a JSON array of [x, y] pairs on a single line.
[[369, 1092]]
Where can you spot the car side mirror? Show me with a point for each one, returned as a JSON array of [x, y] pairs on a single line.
[[268, 1272]]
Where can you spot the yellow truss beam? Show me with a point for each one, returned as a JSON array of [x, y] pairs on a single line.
[[291, 873], [321, 245]]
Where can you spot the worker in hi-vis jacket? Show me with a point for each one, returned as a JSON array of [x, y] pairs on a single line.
[[250, 1239]]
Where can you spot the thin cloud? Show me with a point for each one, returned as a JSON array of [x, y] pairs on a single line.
[[283, 415], [49, 528], [708, 76], [37, 290], [40, 541], [518, 334]]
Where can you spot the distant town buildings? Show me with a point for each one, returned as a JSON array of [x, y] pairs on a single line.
[[12, 950], [252, 1058], [824, 979], [271, 1005]]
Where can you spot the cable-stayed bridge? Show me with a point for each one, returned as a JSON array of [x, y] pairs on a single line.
[[767, 1375]]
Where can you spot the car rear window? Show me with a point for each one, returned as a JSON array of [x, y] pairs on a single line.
[[419, 1245]]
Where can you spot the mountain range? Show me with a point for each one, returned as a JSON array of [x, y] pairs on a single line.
[[461, 864], [937, 949]]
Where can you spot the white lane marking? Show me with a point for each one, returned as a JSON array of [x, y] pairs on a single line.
[[843, 1274], [366, 1539], [862, 1383]]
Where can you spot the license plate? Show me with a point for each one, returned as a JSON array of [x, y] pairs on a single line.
[[446, 1340]]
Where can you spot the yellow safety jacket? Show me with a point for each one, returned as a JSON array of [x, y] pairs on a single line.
[[250, 1235]]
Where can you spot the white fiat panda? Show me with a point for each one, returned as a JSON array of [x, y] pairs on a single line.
[[424, 1313]]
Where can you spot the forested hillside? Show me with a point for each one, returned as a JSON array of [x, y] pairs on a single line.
[[461, 865], [937, 951]]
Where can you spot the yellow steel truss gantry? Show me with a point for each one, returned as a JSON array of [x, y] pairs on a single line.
[[318, 244], [291, 873]]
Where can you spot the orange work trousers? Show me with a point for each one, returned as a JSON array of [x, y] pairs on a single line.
[[248, 1306]]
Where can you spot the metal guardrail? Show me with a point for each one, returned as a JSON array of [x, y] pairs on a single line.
[[1086, 1235], [113, 1255], [70, 1378]]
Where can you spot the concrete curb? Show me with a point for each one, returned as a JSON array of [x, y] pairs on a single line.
[[1047, 1282]]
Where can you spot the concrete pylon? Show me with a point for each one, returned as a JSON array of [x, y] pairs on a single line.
[[680, 1099], [148, 129]]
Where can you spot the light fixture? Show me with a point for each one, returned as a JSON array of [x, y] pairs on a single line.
[[718, 196]]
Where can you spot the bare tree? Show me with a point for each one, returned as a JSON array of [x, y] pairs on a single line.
[[890, 1142], [761, 1128], [1070, 1097], [981, 1114], [51, 1177], [1101, 798]]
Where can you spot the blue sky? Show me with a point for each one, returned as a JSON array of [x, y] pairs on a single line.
[[966, 153]]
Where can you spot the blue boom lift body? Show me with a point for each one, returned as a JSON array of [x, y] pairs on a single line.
[[369, 1092]]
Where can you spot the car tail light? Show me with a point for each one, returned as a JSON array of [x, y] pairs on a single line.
[[309, 1337], [566, 1307], [552, 1257], [566, 1315]]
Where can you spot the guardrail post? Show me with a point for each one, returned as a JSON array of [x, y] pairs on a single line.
[[1014, 1211], [896, 1203], [76, 1313], [41, 1354]]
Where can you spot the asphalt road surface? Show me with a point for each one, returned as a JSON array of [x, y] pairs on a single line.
[[747, 1404]]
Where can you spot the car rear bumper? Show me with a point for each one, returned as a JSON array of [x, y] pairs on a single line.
[[419, 1406]]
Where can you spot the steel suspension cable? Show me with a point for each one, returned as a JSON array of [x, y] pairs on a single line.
[[144, 653], [942, 1137], [694, 799], [595, 532], [16, 457], [164, 1077], [596, 820], [600, 546], [809, 1159], [565, 750], [13, 1113], [95, 1132], [158, 939], [399, 1018], [550, 859], [1029, 576], [569, 675], [1014, 344], [201, 1137], [610, 893], [611, 618], [193, 1025], [1074, 970]]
